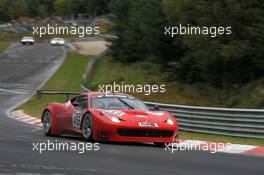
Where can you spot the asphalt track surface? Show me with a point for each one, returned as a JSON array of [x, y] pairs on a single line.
[[23, 69]]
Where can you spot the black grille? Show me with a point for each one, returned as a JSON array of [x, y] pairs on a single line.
[[144, 133]]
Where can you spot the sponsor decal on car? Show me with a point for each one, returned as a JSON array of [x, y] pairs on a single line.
[[147, 124]]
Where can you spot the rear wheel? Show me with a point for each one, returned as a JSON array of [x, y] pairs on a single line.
[[87, 127], [47, 123]]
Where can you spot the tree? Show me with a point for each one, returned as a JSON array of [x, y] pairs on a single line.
[[138, 27], [42, 10], [17, 8], [32, 7], [237, 58], [5, 14], [63, 7], [97, 7]]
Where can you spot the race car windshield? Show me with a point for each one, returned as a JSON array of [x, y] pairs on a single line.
[[117, 103]]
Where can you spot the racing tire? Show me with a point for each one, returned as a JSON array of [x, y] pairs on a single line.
[[47, 123], [87, 127]]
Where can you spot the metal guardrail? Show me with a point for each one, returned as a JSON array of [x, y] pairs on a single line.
[[92, 63], [223, 121]]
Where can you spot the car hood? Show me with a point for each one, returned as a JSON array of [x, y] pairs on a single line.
[[138, 115]]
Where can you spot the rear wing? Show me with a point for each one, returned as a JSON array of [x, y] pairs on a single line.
[[39, 93]]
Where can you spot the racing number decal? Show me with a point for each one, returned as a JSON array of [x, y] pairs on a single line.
[[76, 119]]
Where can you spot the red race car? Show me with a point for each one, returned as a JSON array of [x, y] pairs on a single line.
[[104, 116]]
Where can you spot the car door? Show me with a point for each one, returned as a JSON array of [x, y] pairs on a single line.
[[69, 120], [78, 107]]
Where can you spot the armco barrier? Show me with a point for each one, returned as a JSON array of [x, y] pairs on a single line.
[[224, 121]]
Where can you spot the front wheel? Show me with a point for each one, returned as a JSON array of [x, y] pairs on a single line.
[[87, 127], [47, 123]]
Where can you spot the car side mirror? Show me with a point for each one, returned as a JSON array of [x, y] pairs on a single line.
[[156, 108]]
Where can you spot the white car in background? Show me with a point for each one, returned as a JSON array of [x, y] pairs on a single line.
[[27, 40], [57, 41]]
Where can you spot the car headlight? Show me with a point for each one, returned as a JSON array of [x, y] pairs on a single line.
[[170, 120], [112, 118]]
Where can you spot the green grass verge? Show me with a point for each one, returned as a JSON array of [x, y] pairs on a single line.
[[3, 47], [108, 71], [67, 78]]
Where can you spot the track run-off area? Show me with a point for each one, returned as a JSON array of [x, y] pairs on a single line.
[[23, 69]]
